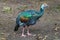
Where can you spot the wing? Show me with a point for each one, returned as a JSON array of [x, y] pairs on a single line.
[[24, 16]]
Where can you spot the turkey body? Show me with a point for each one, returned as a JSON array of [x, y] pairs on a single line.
[[27, 18], [33, 17]]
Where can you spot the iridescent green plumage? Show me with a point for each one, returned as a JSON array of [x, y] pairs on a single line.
[[32, 16]]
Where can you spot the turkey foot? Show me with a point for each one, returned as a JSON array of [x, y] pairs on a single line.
[[29, 34], [23, 35]]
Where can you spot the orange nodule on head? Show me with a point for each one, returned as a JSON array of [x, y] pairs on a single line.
[[45, 4]]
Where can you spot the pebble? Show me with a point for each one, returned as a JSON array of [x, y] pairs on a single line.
[[45, 37], [56, 28]]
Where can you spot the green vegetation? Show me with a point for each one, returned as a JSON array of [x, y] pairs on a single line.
[[58, 7], [7, 9]]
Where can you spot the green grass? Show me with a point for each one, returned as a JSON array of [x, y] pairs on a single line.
[[58, 7]]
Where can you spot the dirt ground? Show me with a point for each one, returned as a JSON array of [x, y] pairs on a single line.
[[46, 28]]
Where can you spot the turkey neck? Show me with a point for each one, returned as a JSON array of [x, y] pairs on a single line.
[[41, 12]]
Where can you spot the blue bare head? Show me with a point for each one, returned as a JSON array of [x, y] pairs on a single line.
[[44, 5]]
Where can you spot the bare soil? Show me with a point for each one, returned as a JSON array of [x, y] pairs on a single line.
[[46, 28]]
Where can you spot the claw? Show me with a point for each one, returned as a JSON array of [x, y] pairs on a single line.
[[23, 35]]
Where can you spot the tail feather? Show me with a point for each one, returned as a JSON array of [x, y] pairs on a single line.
[[16, 27]]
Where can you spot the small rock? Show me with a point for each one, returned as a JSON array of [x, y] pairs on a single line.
[[56, 28], [45, 37]]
